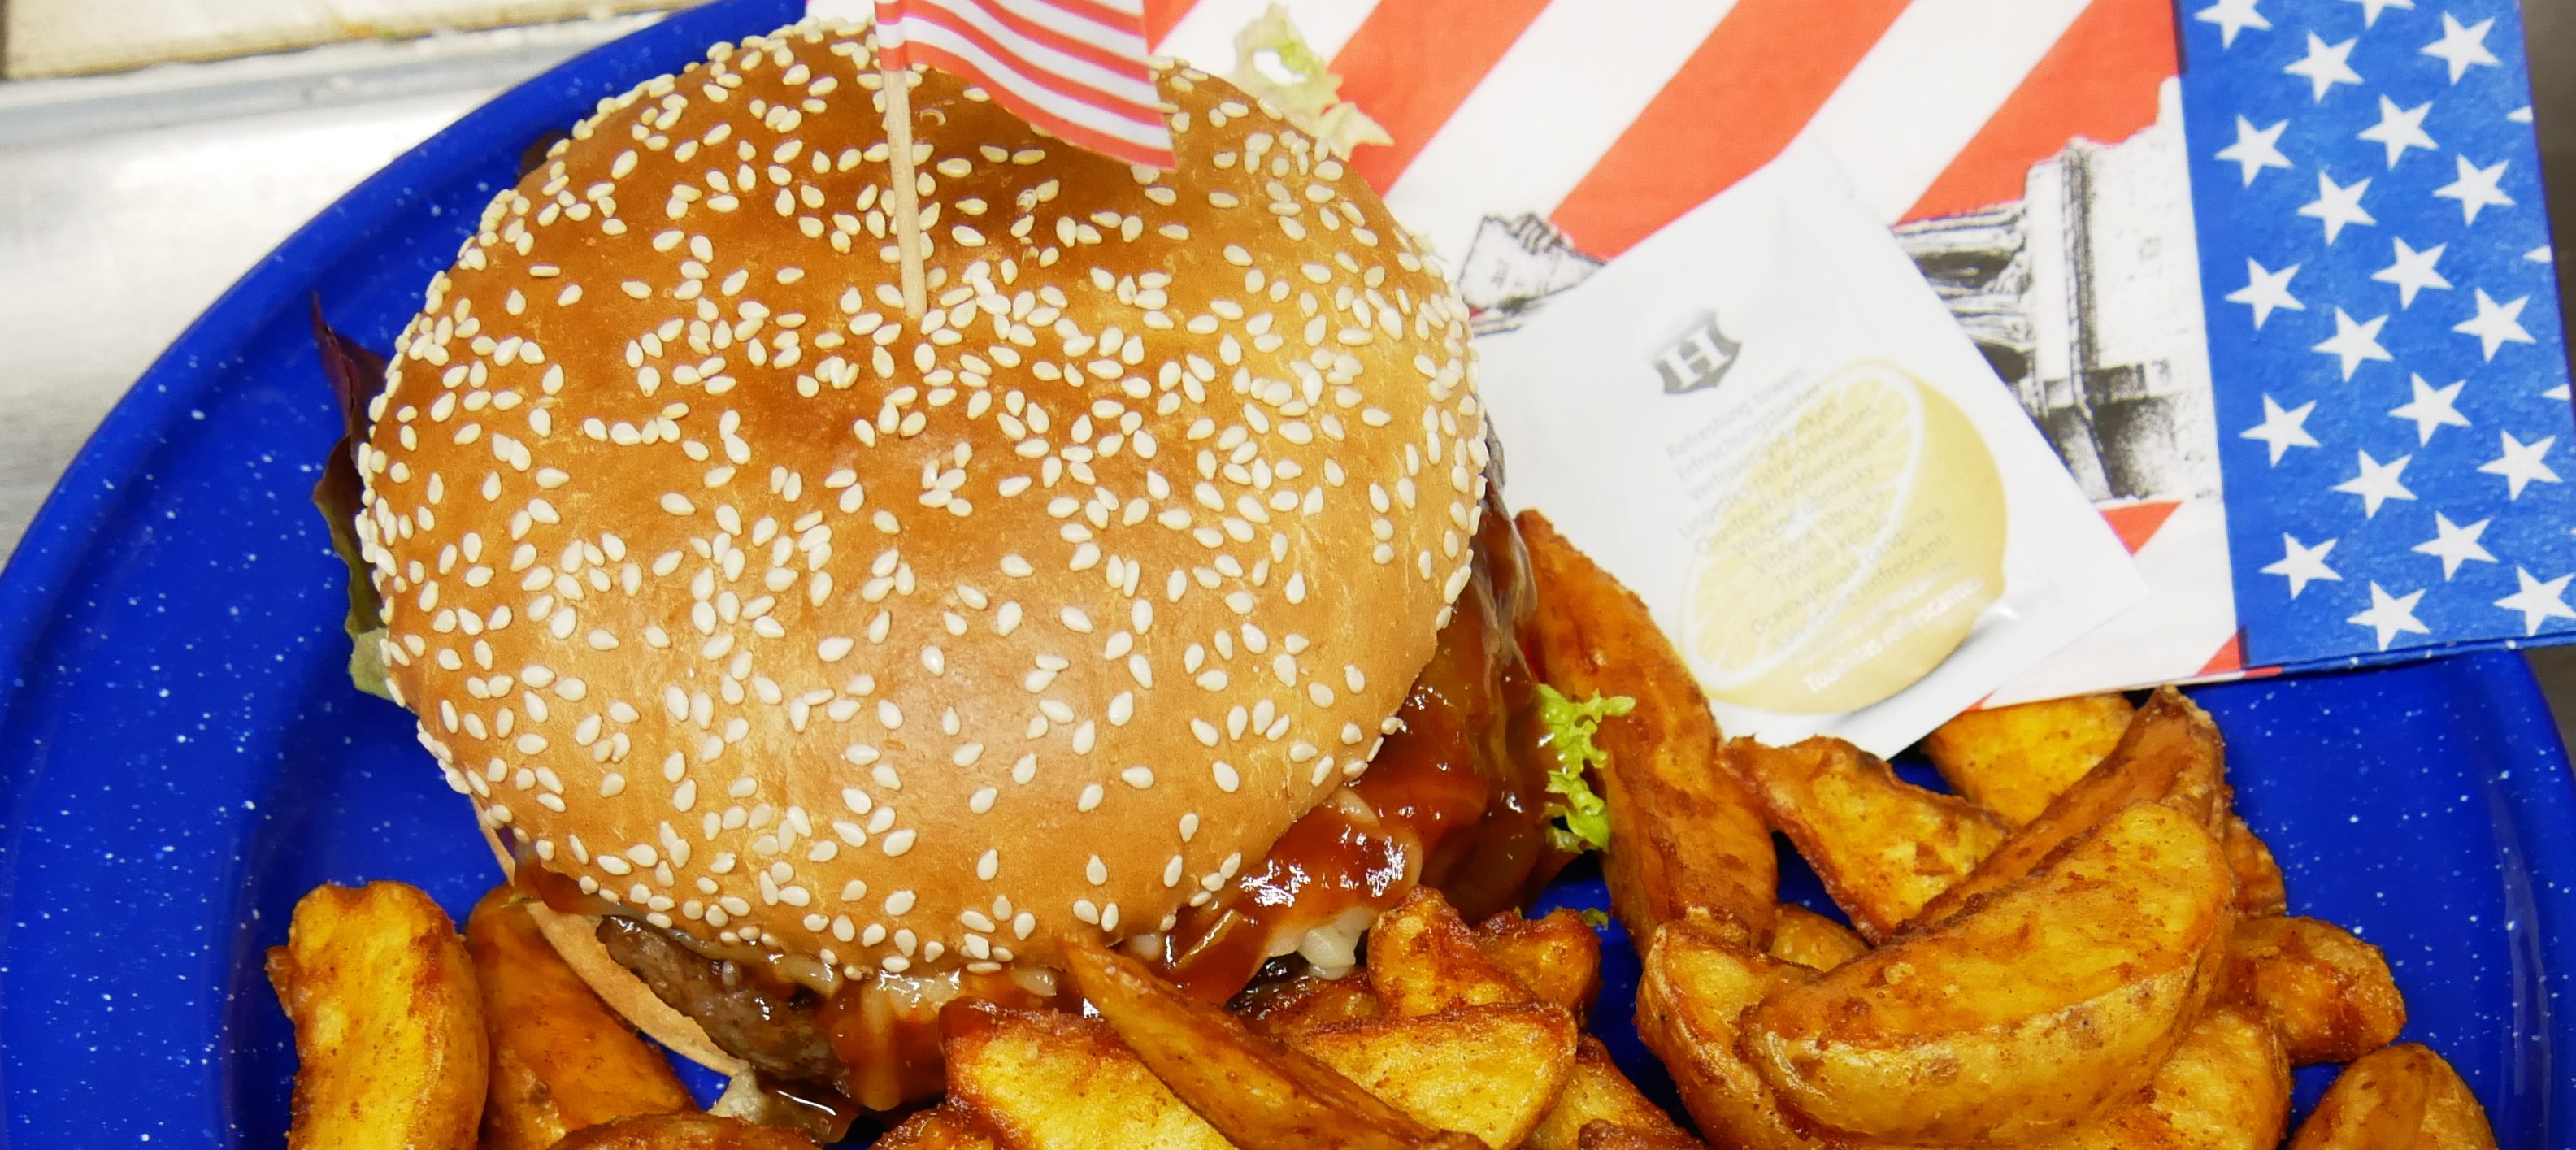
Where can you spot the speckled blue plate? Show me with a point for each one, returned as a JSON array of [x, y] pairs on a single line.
[[181, 754]]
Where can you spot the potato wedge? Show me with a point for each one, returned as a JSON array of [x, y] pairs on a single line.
[[2225, 1087], [1422, 959], [2171, 751], [1684, 833], [2013, 761], [1883, 846], [1597, 1093], [1813, 941], [1487, 1071], [1696, 985], [1612, 1136], [561, 1059], [2402, 1097], [1557, 957], [1255, 1089], [2327, 993], [1047, 1081], [685, 1132], [1306, 1002], [946, 1127], [388, 1024], [2260, 889], [2023, 1017]]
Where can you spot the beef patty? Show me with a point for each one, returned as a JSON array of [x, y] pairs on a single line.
[[778, 1030]]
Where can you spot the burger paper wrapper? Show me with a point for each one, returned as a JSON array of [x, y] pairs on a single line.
[[1763, 420]]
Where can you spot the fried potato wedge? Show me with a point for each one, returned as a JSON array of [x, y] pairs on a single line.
[[2260, 889], [1487, 1071], [2013, 761], [1694, 990], [2026, 1015], [561, 1059], [2402, 1097], [1612, 1136], [686, 1132], [1813, 941], [946, 1127], [1308, 1001], [1883, 846], [2225, 1087], [1041, 1080], [2327, 993], [1558, 957], [388, 1024], [1596, 1093], [2171, 751], [1422, 959], [1684, 833], [1252, 1087]]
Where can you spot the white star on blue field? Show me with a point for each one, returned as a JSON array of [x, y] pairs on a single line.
[[2390, 375]]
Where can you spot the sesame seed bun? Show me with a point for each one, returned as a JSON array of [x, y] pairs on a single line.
[[778, 619]]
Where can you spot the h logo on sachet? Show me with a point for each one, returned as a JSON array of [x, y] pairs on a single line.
[[1698, 359]]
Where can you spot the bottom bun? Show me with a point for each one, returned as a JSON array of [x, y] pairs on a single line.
[[575, 938]]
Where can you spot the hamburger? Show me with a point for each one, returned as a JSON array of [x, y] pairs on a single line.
[[817, 665]]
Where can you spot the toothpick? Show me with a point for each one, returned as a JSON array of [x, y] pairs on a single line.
[[904, 196]]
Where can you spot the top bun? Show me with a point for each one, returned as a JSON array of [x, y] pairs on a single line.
[[782, 620]]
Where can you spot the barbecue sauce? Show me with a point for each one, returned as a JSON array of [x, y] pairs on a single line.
[[1456, 799]]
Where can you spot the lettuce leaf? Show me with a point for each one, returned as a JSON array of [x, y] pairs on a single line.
[[1583, 819], [1273, 62], [356, 376]]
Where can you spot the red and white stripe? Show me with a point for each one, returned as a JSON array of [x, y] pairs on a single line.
[[1076, 68], [1612, 119]]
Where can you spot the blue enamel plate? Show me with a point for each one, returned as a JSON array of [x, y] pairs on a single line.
[[182, 756]]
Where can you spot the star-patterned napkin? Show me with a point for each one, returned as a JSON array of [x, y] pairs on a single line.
[[2390, 376]]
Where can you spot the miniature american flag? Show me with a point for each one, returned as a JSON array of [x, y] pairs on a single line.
[[1076, 68]]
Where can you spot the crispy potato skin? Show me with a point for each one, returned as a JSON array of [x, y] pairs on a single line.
[[1252, 1087], [2403, 1097], [2022, 1018], [2327, 993], [1684, 832], [2260, 889], [1697, 985], [1612, 1136], [388, 1022], [1306, 1002], [1488, 1071], [684, 1132], [2171, 751], [1040, 1080], [2013, 761], [561, 1059], [1422, 959], [2226, 1087], [1557, 957], [938, 1128], [1597, 1094], [1883, 846], [1813, 941]]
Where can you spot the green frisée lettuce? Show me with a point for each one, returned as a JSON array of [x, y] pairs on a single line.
[[1274, 63], [1582, 819]]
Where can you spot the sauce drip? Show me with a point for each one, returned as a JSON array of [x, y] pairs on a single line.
[[886, 1031], [1456, 799]]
